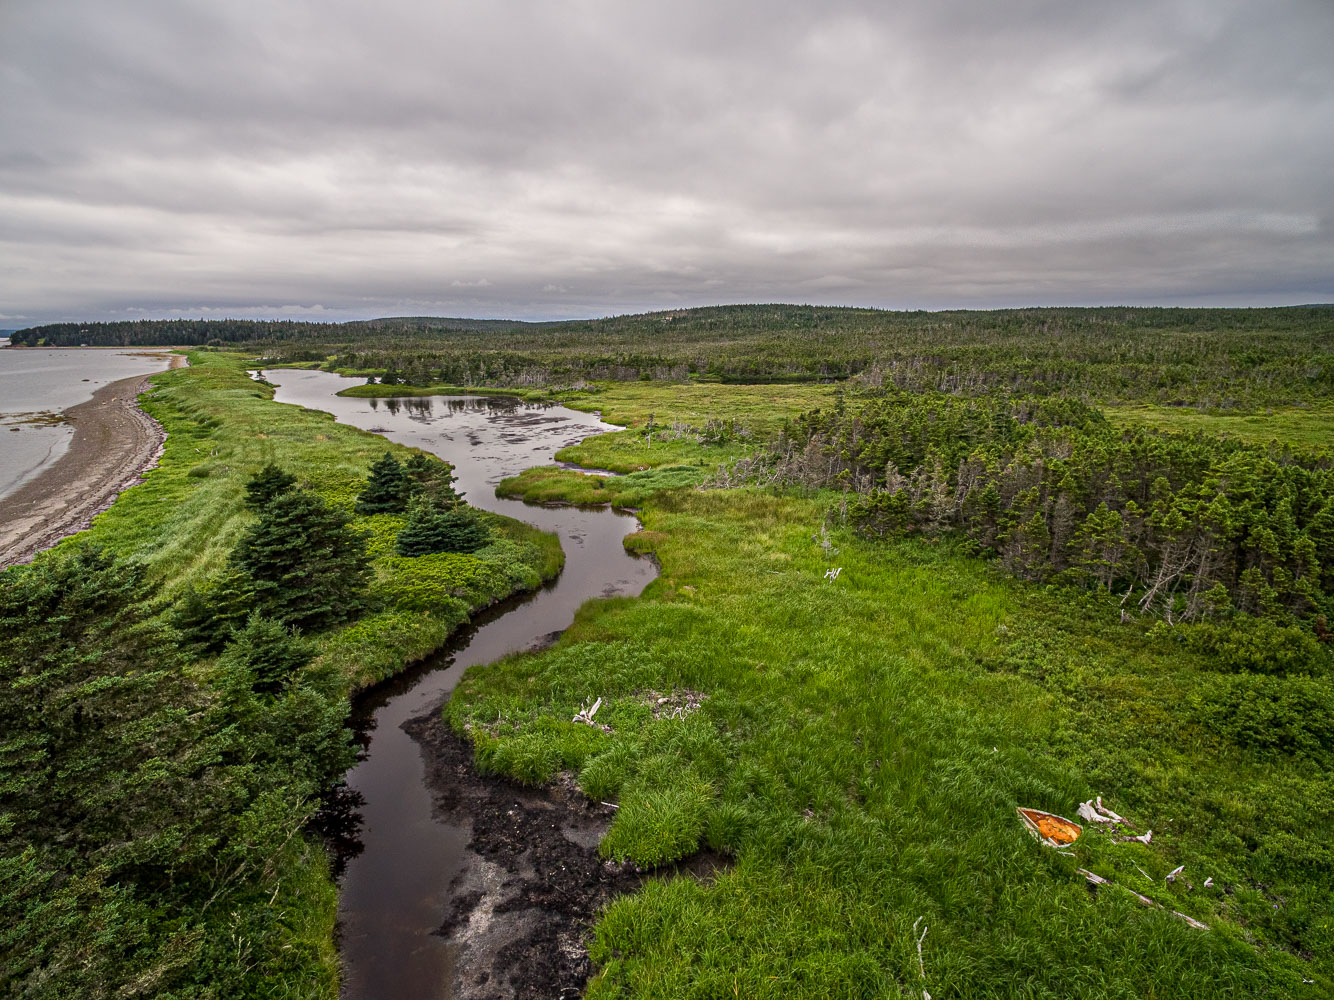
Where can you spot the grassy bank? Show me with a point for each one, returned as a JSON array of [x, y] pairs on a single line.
[[187, 515], [1311, 427], [378, 391], [857, 743], [550, 484], [176, 862], [859, 750]]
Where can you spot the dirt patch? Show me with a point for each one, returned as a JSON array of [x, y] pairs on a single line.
[[114, 443], [522, 909]]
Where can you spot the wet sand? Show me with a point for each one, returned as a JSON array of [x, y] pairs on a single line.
[[114, 444]]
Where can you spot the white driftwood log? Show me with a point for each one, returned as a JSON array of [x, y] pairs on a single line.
[[1108, 813]]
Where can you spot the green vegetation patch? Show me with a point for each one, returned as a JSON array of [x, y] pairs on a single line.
[[1311, 427], [858, 743], [762, 407], [375, 390], [153, 812], [551, 484]]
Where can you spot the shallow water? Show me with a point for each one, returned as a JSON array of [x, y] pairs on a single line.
[[37, 384], [394, 892]]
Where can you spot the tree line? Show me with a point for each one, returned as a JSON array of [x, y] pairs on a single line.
[[1183, 526], [1225, 358]]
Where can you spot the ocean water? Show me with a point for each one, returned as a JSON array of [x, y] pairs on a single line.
[[36, 384]]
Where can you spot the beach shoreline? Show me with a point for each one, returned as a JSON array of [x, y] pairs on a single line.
[[114, 444]]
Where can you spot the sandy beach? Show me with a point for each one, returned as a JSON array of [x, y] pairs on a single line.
[[114, 443]]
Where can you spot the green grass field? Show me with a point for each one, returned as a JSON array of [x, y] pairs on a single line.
[[762, 407], [859, 751], [1307, 428]]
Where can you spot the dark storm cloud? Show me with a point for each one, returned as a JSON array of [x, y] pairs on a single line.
[[539, 159]]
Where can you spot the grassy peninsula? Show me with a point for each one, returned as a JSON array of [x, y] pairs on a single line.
[[168, 855]]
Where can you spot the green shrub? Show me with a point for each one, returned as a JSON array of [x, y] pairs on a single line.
[[433, 527], [1261, 646], [266, 655], [387, 490], [266, 484], [302, 563], [659, 826], [1270, 715]]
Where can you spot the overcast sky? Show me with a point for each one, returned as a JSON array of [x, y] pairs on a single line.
[[344, 159]]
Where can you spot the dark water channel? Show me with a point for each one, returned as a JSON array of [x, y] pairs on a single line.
[[395, 890]]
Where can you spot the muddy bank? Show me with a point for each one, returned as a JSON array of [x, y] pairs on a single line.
[[522, 909], [114, 443]]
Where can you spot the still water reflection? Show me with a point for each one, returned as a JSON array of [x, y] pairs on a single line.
[[395, 885]]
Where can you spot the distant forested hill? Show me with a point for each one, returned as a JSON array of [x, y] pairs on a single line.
[[1210, 357], [196, 332]]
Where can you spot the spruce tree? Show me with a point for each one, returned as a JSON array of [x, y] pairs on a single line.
[[304, 565], [436, 527], [265, 655], [386, 490], [431, 478], [266, 484]]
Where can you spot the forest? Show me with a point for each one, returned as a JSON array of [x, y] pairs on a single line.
[[1189, 527]]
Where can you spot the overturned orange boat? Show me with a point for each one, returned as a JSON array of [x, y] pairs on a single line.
[[1048, 828]]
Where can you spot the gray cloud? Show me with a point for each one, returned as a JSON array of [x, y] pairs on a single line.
[[533, 159]]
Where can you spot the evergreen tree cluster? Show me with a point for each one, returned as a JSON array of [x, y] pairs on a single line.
[[393, 484], [147, 802], [433, 527], [437, 520], [299, 564], [1185, 526]]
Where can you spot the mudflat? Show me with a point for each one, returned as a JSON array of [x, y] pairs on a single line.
[[114, 443]]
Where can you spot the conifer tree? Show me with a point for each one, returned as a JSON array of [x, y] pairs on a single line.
[[265, 655], [436, 527], [266, 484], [303, 564], [431, 478], [386, 490]]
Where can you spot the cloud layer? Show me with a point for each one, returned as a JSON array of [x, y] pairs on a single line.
[[529, 159]]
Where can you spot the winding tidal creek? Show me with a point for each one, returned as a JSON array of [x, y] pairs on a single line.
[[409, 861]]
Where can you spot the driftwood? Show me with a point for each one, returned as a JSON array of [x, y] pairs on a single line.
[[1108, 813], [1098, 880], [1093, 878], [921, 965], [1095, 812], [1192, 921], [585, 715]]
